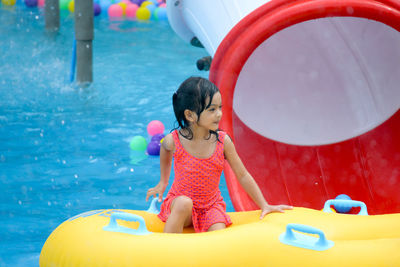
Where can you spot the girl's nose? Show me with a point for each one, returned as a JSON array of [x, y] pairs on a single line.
[[219, 113]]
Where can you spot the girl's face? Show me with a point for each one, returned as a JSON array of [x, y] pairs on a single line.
[[210, 117]]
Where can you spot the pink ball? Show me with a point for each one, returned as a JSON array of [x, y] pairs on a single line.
[[131, 10], [155, 127], [115, 10], [162, 5], [41, 3]]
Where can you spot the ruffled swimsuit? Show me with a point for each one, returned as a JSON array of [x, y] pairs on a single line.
[[198, 179]]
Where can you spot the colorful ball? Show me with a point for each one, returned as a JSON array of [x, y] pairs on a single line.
[[64, 4], [160, 13], [137, 2], [96, 9], [151, 8], [131, 10], [8, 2], [123, 5], [143, 13], [71, 6], [146, 3], [157, 137], [340, 208], [155, 127], [162, 5], [154, 148], [41, 3], [138, 143], [105, 4], [115, 10], [31, 3]]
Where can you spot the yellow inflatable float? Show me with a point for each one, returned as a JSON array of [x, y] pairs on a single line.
[[298, 237]]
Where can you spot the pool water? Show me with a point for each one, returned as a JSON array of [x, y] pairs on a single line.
[[64, 149]]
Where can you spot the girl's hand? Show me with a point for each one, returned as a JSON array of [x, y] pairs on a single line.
[[274, 208], [158, 189]]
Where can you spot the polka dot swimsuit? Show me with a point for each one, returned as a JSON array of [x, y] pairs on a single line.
[[198, 179]]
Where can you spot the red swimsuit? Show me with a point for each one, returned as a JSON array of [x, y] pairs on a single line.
[[198, 179]]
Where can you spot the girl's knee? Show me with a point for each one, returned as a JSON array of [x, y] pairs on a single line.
[[182, 204]]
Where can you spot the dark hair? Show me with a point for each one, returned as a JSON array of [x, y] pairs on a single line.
[[192, 95]]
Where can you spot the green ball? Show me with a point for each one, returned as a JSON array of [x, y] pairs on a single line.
[[64, 4], [138, 143]]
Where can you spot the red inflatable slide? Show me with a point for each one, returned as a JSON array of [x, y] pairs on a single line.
[[311, 98]]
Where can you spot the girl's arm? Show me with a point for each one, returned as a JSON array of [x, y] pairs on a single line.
[[166, 152], [247, 181]]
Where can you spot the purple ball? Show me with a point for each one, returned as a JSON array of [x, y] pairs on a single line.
[[137, 2], [31, 3], [157, 137], [153, 148], [96, 9]]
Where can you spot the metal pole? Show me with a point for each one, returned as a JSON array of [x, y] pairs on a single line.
[[52, 15], [84, 36]]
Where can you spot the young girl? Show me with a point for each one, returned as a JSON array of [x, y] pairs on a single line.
[[199, 150]]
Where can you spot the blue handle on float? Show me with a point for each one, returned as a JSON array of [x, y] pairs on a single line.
[[113, 226], [73, 62], [305, 241], [153, 206], [346, 202]]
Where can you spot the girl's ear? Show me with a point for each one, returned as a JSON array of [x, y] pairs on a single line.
[[190, 115]]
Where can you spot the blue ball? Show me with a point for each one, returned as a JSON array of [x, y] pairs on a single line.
[[153, 148], [137, 2], [341, 208], [31, 3], [151, 7], [157, 137], [96, 9], [104, 5], [161, 13]]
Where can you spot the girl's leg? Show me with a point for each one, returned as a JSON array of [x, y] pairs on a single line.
[[216, 226], [181, 215]]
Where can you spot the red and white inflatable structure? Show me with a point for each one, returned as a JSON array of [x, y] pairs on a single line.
[[311, 95]]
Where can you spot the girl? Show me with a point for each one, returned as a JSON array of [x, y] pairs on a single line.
[[199, 150]]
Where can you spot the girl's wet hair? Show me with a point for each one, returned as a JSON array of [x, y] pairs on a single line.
[[193, 94]]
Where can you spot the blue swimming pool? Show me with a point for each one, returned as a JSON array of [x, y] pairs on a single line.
[[65, 150]]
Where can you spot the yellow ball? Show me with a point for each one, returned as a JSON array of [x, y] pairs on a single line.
[[8, 2], [71, 6], [143, 13], [146, 3], [123, 5]]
